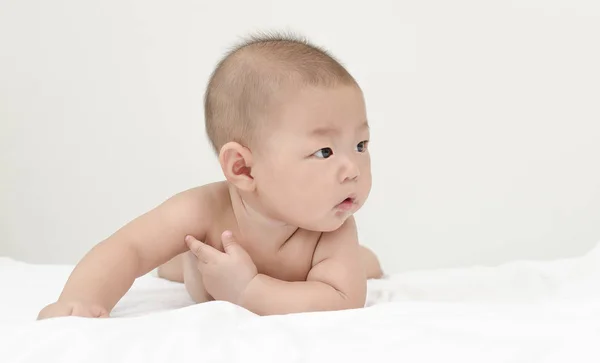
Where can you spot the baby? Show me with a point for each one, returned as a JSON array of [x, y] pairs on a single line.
[[289, 126]]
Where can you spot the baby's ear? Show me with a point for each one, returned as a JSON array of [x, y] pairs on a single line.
[[236, 163]]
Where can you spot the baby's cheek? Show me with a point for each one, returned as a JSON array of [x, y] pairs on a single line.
[[307, 179]]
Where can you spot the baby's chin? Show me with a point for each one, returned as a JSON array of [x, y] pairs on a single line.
[[328, 224]]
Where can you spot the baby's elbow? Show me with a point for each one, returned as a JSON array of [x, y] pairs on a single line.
[[356, 303], [351, 301]]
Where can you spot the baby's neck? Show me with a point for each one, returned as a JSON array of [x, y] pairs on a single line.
[[257, 227]]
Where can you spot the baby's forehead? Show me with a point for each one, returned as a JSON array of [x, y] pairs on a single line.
[[320, 111], [313, 129]]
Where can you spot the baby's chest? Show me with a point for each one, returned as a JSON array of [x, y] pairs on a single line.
[[291, 263], [285, 267]]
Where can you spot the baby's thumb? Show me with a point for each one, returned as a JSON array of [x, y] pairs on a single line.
[[229, 244]]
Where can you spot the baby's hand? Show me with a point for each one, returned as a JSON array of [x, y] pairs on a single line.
[[60, 308], [225, 275]]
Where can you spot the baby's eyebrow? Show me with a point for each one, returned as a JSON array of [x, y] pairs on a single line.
[[327, 130], [324, 131]]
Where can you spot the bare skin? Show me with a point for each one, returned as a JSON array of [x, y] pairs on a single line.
[[290, 261], [280, 226]]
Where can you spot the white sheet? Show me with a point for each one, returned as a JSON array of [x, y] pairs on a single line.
[[518, 312]]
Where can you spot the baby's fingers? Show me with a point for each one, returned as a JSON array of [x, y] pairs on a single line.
[[55, 310], [87, 311], [99, 312], [202, 251]]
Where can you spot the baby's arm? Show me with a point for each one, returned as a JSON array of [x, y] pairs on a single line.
[[336, 281], [107, 272]]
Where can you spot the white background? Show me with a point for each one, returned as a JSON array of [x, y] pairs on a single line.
[[485, 119]]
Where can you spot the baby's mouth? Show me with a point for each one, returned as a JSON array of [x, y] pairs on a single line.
[[347, 204]]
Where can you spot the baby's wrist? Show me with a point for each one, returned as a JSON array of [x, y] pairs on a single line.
[[246, 295]]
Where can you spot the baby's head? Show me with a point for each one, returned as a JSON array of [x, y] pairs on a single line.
[[289, 125]]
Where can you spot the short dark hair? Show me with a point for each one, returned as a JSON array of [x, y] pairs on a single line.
[[241, 87]]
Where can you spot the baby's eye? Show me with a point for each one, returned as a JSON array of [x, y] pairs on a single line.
[[324, 153], [362, 146]]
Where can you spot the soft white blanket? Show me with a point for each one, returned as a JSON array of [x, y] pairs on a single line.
[[523, 311]]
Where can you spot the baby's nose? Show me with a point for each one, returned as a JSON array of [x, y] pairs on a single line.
[[350, 171]]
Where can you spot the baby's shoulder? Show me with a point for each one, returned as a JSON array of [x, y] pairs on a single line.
[[345, 235], [200, 201], [216, 192], [338, 243]]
